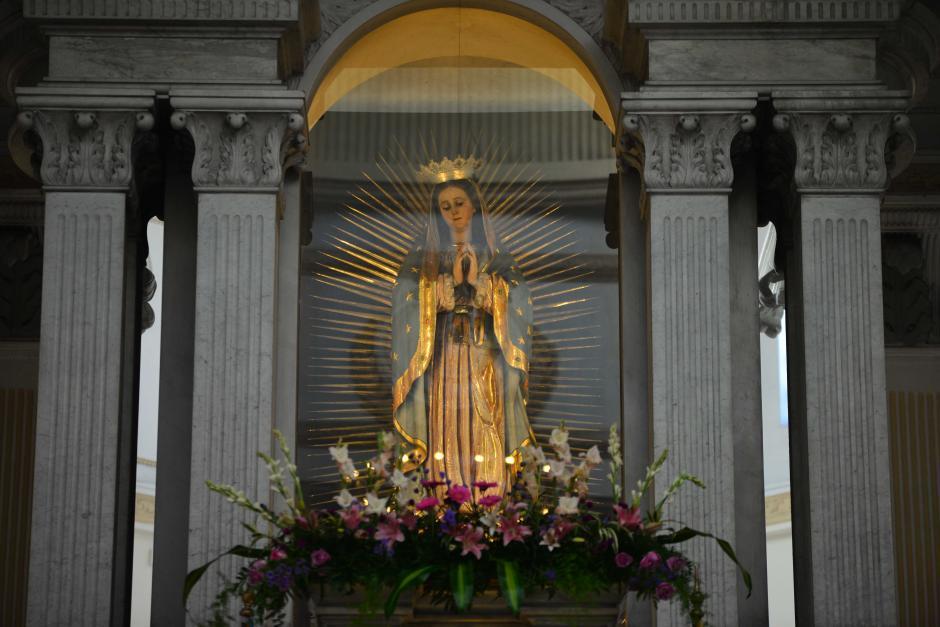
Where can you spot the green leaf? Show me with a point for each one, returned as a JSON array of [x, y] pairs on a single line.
[[687, 533], [510, 584], [461, 584], [193, 577], [416, 576]]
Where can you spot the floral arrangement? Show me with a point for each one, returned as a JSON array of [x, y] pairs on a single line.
[[455, 541]]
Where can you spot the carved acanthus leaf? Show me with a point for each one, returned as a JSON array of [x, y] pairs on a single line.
[[240, 149], [83, 148], [840, 151], [687, 151]]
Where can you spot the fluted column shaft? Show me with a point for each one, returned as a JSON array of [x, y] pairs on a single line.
[[240, 144], [77, 543], [843, 542], [688, 174]]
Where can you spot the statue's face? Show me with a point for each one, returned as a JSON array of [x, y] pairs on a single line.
[[456, 209]]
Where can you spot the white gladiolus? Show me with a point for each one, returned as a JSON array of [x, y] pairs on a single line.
[[340, 453], [375, 505], [567, 505], [593, 456], [559, 438], [557, 468], [344, 498], [348, 469]]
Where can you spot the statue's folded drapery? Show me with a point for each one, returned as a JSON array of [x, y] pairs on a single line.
[[460, 361]]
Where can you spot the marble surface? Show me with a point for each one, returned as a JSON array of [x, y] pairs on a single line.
[[849, 538], [233, 380], [155, 58], [73, 522], [691, 375], [761, 60]]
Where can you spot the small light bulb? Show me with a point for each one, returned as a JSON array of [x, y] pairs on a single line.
[[544, 510], [478, 458], [546, 468], [365, 502], [510, 459], [404, 458], [355, 473], [438, 456]]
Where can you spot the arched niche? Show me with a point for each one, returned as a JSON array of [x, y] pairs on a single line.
[[523, 33], [533, 37]]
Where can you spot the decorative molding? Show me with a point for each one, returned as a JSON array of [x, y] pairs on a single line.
[[237, 150], [588, 14], [687, 151], [85, 136], [164, 10], [848, 141], [243, 140], [675, 12], [333, 14], [909, 52], [914, 276], [21, 208]]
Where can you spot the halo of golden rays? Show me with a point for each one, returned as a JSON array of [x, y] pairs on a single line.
[[377, 227]]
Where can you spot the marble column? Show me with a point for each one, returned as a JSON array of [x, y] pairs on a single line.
[[77, 543], [842, 528], [240, 143], [688, 174]]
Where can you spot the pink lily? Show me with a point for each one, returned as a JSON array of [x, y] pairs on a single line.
[[471, 539]]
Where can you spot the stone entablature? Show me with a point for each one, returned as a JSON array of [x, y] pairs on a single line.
[[671, 12], [223, 10]]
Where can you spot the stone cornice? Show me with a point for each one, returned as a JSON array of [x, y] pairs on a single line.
[[244, 139], [842, 137], [686, 136], [672, 13], [85, 134]]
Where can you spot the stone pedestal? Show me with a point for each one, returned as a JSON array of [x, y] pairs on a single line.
[[688, 174], [240, 142], [842, 534], [79, 541]]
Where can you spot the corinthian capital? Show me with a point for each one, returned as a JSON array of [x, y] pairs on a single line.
[[85, 141], [843, 141], [241, 142], [687, 139]]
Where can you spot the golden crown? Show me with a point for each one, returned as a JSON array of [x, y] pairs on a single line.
[[449, 170]]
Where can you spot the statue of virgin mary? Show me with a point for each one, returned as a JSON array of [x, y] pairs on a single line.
[[461, 338]]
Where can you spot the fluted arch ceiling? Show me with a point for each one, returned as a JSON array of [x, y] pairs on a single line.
[[429, 43]]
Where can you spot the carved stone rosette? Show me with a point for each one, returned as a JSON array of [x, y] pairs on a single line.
[[841, 150], [238, 149], [686, 139], [85, 148]]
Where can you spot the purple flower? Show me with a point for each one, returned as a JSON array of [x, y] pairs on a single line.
[[675, 564], [622, 560], [319, 558], [664, 591], [427, 503], [650, 560]]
